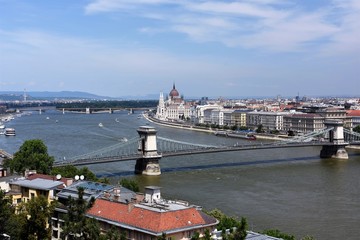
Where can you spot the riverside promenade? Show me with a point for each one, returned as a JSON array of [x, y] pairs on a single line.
[[207, 130]]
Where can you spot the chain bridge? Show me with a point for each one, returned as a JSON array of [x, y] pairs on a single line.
[[147, 149]]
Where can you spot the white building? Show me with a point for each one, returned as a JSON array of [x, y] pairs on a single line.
[[174, 108]]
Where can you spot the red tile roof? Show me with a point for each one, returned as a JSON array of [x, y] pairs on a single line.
[[146, 219], [353, 113]]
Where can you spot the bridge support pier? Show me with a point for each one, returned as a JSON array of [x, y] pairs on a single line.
[[336, 146], [334, 151], [148, 164]]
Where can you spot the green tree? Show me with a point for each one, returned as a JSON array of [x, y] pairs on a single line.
[[225, 222], [195, 236], [357, 129], [115, 234], [38, 212], [224, 236], [240, 233], [308, 238], [130, 184], [77, 225], [162, 237], [260, 128], [31, 155], [207, 235], [278, 234], [71, 171], [6, 211]]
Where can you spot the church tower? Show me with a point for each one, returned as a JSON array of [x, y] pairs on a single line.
[[160, 113]]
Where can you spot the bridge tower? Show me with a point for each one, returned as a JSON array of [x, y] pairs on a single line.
[[336, 146], [148, 164]]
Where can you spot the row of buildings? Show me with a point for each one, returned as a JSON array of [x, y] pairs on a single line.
[[297, 116], [141, 216]]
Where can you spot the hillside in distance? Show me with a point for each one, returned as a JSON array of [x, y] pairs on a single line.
[[10, 95]]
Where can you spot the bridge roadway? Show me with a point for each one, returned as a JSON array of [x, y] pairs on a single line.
[[91, 161]]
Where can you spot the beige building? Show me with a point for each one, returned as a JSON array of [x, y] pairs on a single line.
[[304, 123], [269, 120]]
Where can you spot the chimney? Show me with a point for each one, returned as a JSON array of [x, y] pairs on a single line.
[[117, 194]]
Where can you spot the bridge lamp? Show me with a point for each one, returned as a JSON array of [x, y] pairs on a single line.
[[58, 177], [77, 177], [82, 177]]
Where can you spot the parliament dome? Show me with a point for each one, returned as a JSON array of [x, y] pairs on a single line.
[[174, 92]]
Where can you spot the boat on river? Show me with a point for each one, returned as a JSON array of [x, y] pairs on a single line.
[[101, 125], [10, 132]]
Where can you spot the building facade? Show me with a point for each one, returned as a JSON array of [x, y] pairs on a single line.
[[174, 108], [268, 120]]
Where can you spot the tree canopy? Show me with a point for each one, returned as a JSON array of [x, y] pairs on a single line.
[[77, 225], [6, 210], [32, 155], [130, 184], [357, 129]]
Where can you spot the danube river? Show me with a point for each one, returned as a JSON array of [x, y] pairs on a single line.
[[289, 189]]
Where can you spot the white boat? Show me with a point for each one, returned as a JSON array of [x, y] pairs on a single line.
[[101, 125], [2, 126], [10, 132]]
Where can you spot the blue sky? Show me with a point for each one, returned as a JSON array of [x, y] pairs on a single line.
[[206, 47]]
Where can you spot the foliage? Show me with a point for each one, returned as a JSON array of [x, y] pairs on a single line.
[[15, 226], [31, 220], [163, 236], [38, 212], [260, 128], [130, 184], [291, 133], [308, 238], [207, 235], [6, 211], [275, 131], [278, 234], [77, 225], [240, 233], [195, 236], [115, 234], [31, 155], [225, 222], [70, 171], [357, 129]]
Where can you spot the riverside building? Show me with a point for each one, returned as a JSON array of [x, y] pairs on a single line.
[[173, 107]]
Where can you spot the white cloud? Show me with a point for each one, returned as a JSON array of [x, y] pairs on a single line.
[[275, 25], [46, 61]]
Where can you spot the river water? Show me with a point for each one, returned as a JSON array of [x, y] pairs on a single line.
[[290, 189]]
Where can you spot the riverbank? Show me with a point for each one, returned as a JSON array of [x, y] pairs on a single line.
[[201, 129], [177, 125]]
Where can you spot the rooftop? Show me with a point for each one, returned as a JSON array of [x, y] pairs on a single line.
[[38, 183], [146, 219]]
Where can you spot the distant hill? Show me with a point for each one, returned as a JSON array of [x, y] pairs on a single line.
[[50, 95]]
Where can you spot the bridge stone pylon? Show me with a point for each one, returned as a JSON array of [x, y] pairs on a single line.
[[148, 164], [336, 146]]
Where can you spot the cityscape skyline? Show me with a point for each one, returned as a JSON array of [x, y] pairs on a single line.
[[208, 48]]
